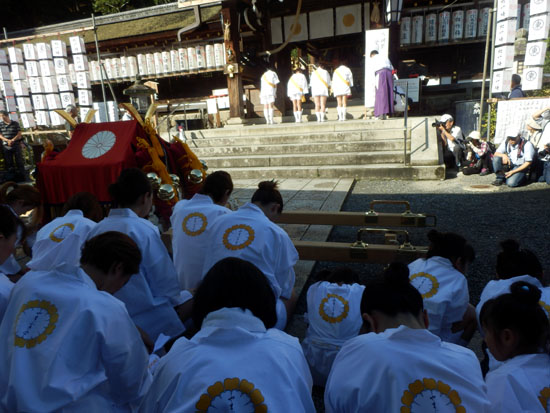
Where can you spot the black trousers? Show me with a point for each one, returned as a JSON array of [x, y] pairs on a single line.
[[13, 156]]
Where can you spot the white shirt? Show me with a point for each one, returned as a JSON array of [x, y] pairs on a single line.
[[444, 291], [520, 384], [457, 134], [5, 290], [60, 241], [527, 153], [297, 85], [151, 294], [379, 62], [266, 90], [248, 234], [190, 220], [334, 316], [342, 80], [67, 347], [401, 368], [319, 82], [232, 358]]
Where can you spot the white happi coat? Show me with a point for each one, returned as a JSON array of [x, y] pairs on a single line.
[[190, 220], [5, 290], [233, 364], [444, 291], [151, 294], [267, 91], [342, 80], [334, 316], [248, 234], [404, 369], [60, 241], [67, 347], [296, 86], [318, 87], [520, 384]]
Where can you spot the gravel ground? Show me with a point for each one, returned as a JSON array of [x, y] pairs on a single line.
[[484, 216]]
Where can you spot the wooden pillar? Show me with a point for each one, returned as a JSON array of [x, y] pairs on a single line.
[[284, 71], [233, 54]]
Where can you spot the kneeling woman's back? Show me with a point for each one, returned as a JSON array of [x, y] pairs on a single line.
[[400, 365], [236, 359]]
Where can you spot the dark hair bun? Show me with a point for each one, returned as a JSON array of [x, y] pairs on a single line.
[[434, 236], [267, 185], [509, 246], [525, 292], [397, 275]]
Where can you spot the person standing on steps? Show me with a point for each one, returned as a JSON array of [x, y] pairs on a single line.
[[296, 89], [268, 91], [383, 102], [342, 81], [320, 85]]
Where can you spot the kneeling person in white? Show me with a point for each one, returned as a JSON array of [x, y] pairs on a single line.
[[342, 81], [268, 93], [190, 220], [237, 362], [250, 234], [400, 366], [67, 345], [517, 334]]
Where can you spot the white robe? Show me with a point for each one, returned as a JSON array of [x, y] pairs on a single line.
[[268, 92], [318, 88], [5, 290], [151, 294], [342, 80], [297, 86], [189, 241], [334, 316], [232, 361], [60, 241], [520, 384], [404, 368], [67, 347], [445, 294]]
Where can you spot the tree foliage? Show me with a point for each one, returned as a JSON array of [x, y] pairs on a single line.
[[116, 6]]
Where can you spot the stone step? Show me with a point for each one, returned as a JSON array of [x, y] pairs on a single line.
[[374, 171], [260, 139], [299, 148], [312, 160]]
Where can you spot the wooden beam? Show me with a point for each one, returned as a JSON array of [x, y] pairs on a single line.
[[377, 219]]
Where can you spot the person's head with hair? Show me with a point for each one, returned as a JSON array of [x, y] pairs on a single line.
[[516, 80], [85, 202], [373, 53], [5, 116], [338, 275], [133, 190], [10, 227], [110, 259], [451, 246], [218, 186], [235, 283], [513, 261], [20, 197], [268, 198], [391, 301], [515, 323]]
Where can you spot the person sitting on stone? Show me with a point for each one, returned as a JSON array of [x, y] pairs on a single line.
[[512, 159]]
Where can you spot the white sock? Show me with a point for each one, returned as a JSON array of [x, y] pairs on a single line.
[[344, 110], [318, 114], [296, 116], [299, 116], [322, 116], [270, 116], [266, 116]]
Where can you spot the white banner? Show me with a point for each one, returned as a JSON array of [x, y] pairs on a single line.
[[507, 9], [501, 80], [300, 30], [532, 78], [535, 53], [539, 6], [321, 24], [516, 113], [504, 57], [538, 27], [348, 19]]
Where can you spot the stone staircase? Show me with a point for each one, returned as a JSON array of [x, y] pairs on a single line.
[[363, 149]]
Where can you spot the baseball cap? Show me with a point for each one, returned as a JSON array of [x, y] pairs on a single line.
[[512, 131], [446, 117], [474, 135]]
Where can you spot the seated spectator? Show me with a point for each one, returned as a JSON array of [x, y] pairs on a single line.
[[21, 199], [190, 221], [152, 294], [516, 332], [453, 141], [61, 239], [478, 155], [513, 159], [10, 226], [250, 233], [440, 279], [334, 317], [515, 87], [237, 362], [67, 344], [541, 142], [399, 366]]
